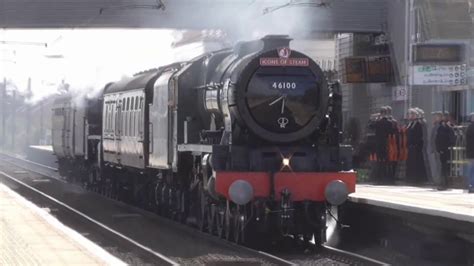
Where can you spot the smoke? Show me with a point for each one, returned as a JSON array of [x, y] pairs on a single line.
[[297, 18], [277, 18], [84, 61]]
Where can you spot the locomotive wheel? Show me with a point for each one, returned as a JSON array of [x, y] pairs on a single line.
[[202, 212], [239, 221], [94, 176], [109, 189], [220, 221], [182, 208], [318, 238], [228, 223], [211, 219]]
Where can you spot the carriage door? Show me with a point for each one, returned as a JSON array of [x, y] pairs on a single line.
[[159, 127], [118, 128], [69, 129]]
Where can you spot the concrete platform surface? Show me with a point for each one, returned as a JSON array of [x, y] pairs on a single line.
[[31, 236], [453, 203], [42, 147]]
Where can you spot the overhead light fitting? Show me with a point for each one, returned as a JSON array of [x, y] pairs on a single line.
[[158, 6], [24, 43], [311, 3]]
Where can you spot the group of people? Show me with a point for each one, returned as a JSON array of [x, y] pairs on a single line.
[[385, 143], [391, 142]]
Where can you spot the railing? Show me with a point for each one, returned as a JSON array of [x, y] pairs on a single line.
[[458, 152]]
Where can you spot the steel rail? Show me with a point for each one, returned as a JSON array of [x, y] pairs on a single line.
[[270, 257], [354, 255], [83, 215]]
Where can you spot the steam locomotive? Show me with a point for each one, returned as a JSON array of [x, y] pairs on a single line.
[[239, 142]]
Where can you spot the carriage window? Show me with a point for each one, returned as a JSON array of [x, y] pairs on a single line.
[[125, 120], [134, 121], [111, 110], [110, 116], [106, 115], [130, 116], [137, 117]]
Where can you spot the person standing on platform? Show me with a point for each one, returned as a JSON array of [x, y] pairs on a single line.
[[435, 162], [371, 144], [415, 170], [394, 145], [445, 138], [470, 154], [421, 119], [383, 128]]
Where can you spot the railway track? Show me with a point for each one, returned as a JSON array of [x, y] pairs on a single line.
[[134, 234], [327, 255]]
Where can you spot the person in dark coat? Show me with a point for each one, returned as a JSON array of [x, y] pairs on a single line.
[[445, 139], [383, 128], [470, 154], [394, 146], [424, 127], [435, 163], [415, 170], [370, 145]]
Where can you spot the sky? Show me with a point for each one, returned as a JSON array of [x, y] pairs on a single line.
[[86, 59]]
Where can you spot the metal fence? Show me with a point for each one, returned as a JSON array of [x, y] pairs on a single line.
[[458, 152]]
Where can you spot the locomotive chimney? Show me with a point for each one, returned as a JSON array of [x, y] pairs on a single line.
[[275, 41], [266, 43]]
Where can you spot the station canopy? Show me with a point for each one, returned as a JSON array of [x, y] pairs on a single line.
[[316, 15]]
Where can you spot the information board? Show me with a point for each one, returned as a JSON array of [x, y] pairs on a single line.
[[431, 53], [367, 69], [379, 69], [439, 75], [355, 70]]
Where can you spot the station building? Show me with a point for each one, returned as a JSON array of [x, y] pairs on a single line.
[[424, 58]]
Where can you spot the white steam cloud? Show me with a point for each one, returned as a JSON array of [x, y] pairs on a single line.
[[86, 60]]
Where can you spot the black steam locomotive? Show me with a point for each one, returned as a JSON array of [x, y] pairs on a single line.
[[235, 141]]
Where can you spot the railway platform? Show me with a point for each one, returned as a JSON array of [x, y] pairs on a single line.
[[454, 204], [31, 236], [42, 154]]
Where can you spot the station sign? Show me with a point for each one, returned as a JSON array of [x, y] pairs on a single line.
[[400, 93], [448, 75]]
